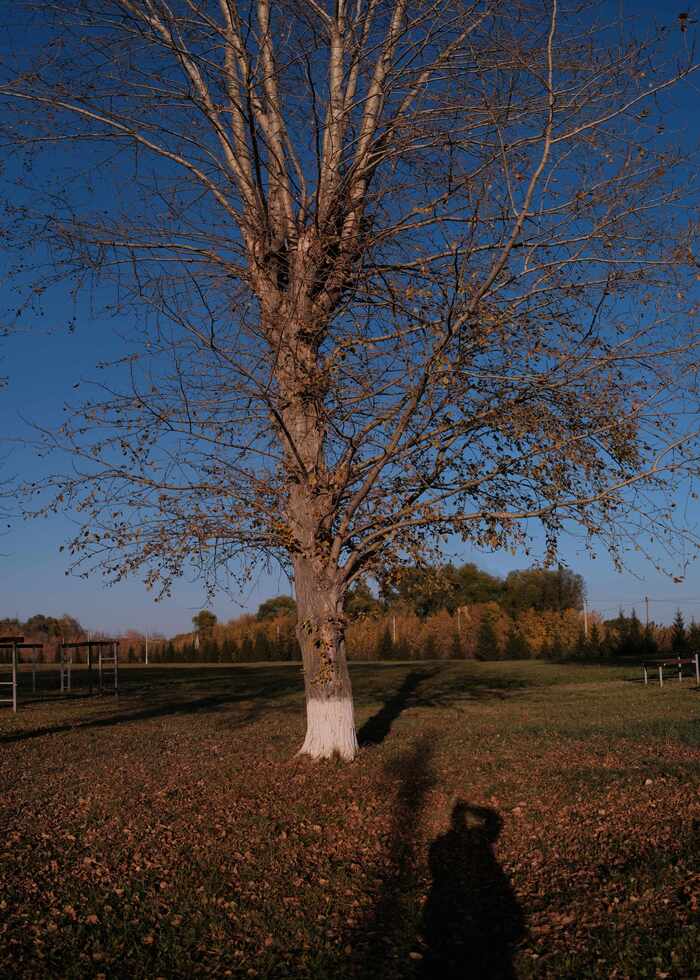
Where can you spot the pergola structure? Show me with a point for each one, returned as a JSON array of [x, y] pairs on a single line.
[[104, 654], [14, 645], [107, 664]]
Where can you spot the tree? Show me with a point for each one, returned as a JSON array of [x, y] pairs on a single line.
[[281, 605], [517, 647], [679, 635], [204, 622], [385, 645], [543, 589], [404, 270], [361, 601], [486, 639], [474, 585]]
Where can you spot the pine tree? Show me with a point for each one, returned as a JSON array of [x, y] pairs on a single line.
[[594, 641], [517, 647], [679, 636], [385, 646], [486, 640], [556, 649], [261, 648], [429, 650], [650, 646], [635, 637], [402, 649]]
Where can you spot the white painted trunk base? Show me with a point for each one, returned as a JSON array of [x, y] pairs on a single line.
[[330, 729]]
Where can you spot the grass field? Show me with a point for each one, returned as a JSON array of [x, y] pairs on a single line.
[[502, 820]]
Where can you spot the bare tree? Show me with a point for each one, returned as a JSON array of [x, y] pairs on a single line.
[[405, 269]]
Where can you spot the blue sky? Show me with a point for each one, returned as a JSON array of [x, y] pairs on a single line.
[[43, 366]]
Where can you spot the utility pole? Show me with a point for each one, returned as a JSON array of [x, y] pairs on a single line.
[[393, 629], [146, 647], [646, 605], [585, 618]]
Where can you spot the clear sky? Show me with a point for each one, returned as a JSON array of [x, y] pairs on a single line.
[[44, 365]]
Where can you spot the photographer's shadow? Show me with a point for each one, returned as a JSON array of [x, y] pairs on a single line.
[[471, 921]]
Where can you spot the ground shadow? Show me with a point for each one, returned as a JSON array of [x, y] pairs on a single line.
[[454, 915], [472, 921], [380, 943], [436, 685], [262, 698], [376, 728]]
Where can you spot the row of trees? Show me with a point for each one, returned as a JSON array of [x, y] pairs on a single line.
[[426, 590], [43, 629], [482, 631]]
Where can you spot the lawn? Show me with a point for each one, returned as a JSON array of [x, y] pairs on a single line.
[[502, 820]]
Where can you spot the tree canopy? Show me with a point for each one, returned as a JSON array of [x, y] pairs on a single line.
[[281, 605]]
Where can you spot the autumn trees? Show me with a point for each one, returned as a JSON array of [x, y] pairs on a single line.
[[399, 271]]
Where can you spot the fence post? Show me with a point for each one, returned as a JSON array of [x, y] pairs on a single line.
[[14, 677], [661, 675]]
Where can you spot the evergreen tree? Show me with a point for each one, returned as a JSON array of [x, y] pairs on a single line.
[[650, 646], [556, 649], [679, 636], [385, 646], [402, 649], [456, 652], [594, 640], [247, 649], [486, 640], [261, 647], [517, 647], [694, 637], [429, 648], [581, 651], [635, 636], [209, 651]]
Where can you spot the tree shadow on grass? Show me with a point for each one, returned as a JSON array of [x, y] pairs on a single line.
[[429, 687], [376, 728], [389, 931]]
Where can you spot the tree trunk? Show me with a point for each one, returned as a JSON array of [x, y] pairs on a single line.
[[330, 719]]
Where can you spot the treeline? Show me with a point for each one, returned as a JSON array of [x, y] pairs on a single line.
[[482, 631], [440, 613], [246, 639], [43, 629]]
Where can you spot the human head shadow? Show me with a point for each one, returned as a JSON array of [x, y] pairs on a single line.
[[376, 728], [472, 921]]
